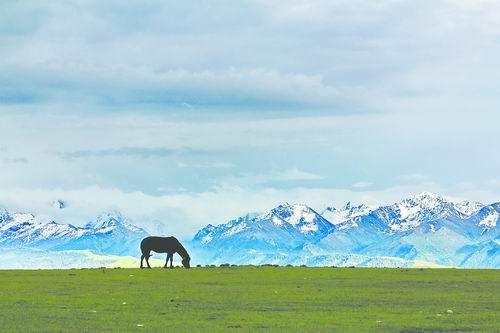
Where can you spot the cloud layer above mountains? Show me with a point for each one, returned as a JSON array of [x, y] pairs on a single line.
[[249, 103]]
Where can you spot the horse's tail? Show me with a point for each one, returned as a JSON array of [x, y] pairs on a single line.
[[147, 255]]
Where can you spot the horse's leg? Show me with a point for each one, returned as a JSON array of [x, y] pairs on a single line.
[[142, 258], [147, 259], [166, 262], [171, 259], [168, 258]]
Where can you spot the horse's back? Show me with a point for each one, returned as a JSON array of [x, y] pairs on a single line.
[[159, 244]]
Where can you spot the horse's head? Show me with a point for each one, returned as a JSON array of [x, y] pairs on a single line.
[[185, 262]]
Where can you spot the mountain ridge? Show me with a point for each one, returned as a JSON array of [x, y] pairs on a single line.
[[109, 233], [424, 227]]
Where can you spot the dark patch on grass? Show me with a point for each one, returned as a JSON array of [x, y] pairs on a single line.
[[234, 326]]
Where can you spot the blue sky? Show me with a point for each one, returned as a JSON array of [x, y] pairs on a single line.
[[182, 114]]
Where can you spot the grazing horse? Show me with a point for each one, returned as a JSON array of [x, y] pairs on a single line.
[[168, 245]]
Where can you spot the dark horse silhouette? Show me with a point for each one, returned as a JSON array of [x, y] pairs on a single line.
[[168, 245]]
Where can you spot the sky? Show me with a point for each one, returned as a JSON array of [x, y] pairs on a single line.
[[180, 114]]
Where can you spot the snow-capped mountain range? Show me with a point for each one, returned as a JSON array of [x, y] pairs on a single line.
[[109, 233], [425, 228], [422, 230]]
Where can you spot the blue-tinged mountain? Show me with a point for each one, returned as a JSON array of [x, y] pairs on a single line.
[[281, 230], [110, 233], [424, 229]]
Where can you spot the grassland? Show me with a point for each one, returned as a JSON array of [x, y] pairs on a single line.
[[249, 299]]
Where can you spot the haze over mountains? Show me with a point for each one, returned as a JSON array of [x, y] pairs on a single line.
[[422, 230]]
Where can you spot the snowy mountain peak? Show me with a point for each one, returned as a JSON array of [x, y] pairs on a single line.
[[329, 209], [427, 199], [108, 221], [347, 206], [24, 217], [295, 214], [301, 217], [205, 235], [347, 213], [468, 208], [423, 205], [4, 215], [281, 227]]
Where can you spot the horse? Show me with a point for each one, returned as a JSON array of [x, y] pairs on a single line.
[[169, 245]]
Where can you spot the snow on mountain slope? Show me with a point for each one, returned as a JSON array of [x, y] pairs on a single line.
[[4, 216], [487, 221], [258, 233], [109, 233], [490, 220], [399, 217], [112, 220], [423, 207], [347, 216], [303, 218], [468, 208], [25, 228], [283, 227]]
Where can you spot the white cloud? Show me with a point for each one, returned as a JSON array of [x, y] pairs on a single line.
[[178, 88], [288, 175], [414, 177], [216, 165], [359, 53], [361, 184], [296, 174]]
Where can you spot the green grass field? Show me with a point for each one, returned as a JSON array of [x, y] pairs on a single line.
[[248, 299]]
